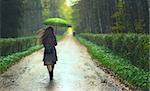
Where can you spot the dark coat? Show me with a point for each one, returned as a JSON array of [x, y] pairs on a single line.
[[50, 54]]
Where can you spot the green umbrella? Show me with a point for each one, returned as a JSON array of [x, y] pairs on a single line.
[[56, 22]]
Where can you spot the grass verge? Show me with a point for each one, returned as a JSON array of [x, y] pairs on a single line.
[[120, 66], [9, 60]]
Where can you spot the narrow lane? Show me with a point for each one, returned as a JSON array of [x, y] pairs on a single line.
[[74, 71]]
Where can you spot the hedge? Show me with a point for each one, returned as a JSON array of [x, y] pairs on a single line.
[[6, 62], [128, 72], [13, 45], [134, 47]]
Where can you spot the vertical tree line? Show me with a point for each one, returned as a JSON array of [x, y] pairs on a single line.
[[0, 16], [23, 17], [50, 8], [137, 15], [20, 17], [9, 20], [31, 16], [102, 16], [54, 7]]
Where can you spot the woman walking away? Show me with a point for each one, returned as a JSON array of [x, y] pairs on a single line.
[[49, 42]]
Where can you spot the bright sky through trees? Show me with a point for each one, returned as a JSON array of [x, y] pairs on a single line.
[[71, 2]]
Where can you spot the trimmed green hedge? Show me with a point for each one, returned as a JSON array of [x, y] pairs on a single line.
[[135, 76], [13, 45], [6, 62], [134, 47]]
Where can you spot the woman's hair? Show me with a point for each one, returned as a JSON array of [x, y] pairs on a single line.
[[47, 33]]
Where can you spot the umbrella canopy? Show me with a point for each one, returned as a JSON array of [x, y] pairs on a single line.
[[57, 22]]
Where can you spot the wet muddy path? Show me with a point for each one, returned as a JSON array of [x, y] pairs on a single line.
[[74, 71]]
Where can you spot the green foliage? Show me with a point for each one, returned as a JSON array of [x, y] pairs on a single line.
[[56, 22], [50, 8], [118, 65], [6, 62], [65, 11], [45, 8], [139, 25], [134, 47], [59, 37], [119, 17], [12, 45]]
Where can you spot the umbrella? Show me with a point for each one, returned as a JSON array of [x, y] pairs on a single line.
[[57, 22]]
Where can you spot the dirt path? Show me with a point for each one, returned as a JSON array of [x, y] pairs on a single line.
[[75, 71]]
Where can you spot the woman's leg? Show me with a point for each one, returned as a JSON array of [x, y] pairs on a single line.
[[50, 70], [49, 67]]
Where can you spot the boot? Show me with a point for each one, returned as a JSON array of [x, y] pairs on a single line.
[[51, 75]]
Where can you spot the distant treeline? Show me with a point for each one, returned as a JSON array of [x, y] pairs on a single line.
[[22, 17], [102, 16]]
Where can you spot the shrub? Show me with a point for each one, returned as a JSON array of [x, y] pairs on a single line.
[[13, 45], [6, 62], [134, 47], [120, 66]]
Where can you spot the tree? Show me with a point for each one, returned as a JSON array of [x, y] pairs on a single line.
[[20, 17], [119, 17], [137, 10], [0, 16], [103, 16], [10, 13]]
